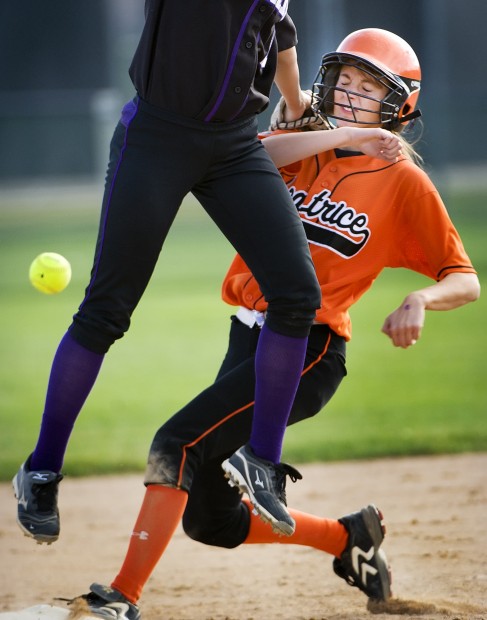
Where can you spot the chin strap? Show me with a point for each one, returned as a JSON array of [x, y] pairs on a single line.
[[410, 116]]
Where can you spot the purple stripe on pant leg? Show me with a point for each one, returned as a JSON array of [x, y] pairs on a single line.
[[128, 114]]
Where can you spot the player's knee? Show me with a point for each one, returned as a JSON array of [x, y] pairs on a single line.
[[294, 322], [293, 315], [97, 335], [197, 529], [210, 531]]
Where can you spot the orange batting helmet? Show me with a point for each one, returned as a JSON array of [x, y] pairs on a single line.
[[388, 59]]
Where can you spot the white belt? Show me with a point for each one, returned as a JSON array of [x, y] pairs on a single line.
[[250, 317]]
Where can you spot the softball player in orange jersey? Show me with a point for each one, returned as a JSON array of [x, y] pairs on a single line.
[[361, 214]]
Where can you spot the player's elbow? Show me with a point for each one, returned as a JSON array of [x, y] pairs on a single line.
[[473, 290], [465, 288]]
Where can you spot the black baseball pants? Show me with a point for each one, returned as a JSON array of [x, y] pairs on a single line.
[[156, 159]]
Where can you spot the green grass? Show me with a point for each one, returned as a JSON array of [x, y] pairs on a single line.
[[429, 399]]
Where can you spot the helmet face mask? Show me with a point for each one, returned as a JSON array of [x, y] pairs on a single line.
[[359, 50]]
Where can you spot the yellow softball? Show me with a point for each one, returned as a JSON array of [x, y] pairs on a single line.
[[50, 273]]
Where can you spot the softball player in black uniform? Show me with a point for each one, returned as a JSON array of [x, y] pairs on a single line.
[[202, 72]]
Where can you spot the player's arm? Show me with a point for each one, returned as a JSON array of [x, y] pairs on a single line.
[[405, 324], [288, 148], [287, 81]]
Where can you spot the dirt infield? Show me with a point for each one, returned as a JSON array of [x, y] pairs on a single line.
[[435, 510]]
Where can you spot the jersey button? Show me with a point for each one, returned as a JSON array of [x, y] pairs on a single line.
[[333, 169], [237, 89], [249, 45]]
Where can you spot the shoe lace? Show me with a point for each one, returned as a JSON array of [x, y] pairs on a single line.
[[281, 471]]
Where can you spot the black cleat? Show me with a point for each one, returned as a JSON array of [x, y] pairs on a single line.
[[363, 564], [265, 484], [37, 512]]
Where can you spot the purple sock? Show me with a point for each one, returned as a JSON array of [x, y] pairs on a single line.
[[279, 363], [73, 374]]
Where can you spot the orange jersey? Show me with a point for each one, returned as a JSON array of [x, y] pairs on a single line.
[[360, 215]]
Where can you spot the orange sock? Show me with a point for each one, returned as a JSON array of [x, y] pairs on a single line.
[[324, 534], [159, 516]]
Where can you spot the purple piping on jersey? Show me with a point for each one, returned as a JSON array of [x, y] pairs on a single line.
[[232, 61], [128, 113]]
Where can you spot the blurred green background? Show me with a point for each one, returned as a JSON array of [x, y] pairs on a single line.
[[429, 399]]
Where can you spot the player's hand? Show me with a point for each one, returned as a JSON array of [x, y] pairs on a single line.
[[405, 324], [298, 117], [292, 114], [376, 142]]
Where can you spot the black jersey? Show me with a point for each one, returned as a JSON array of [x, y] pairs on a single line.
[[212, 60]]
